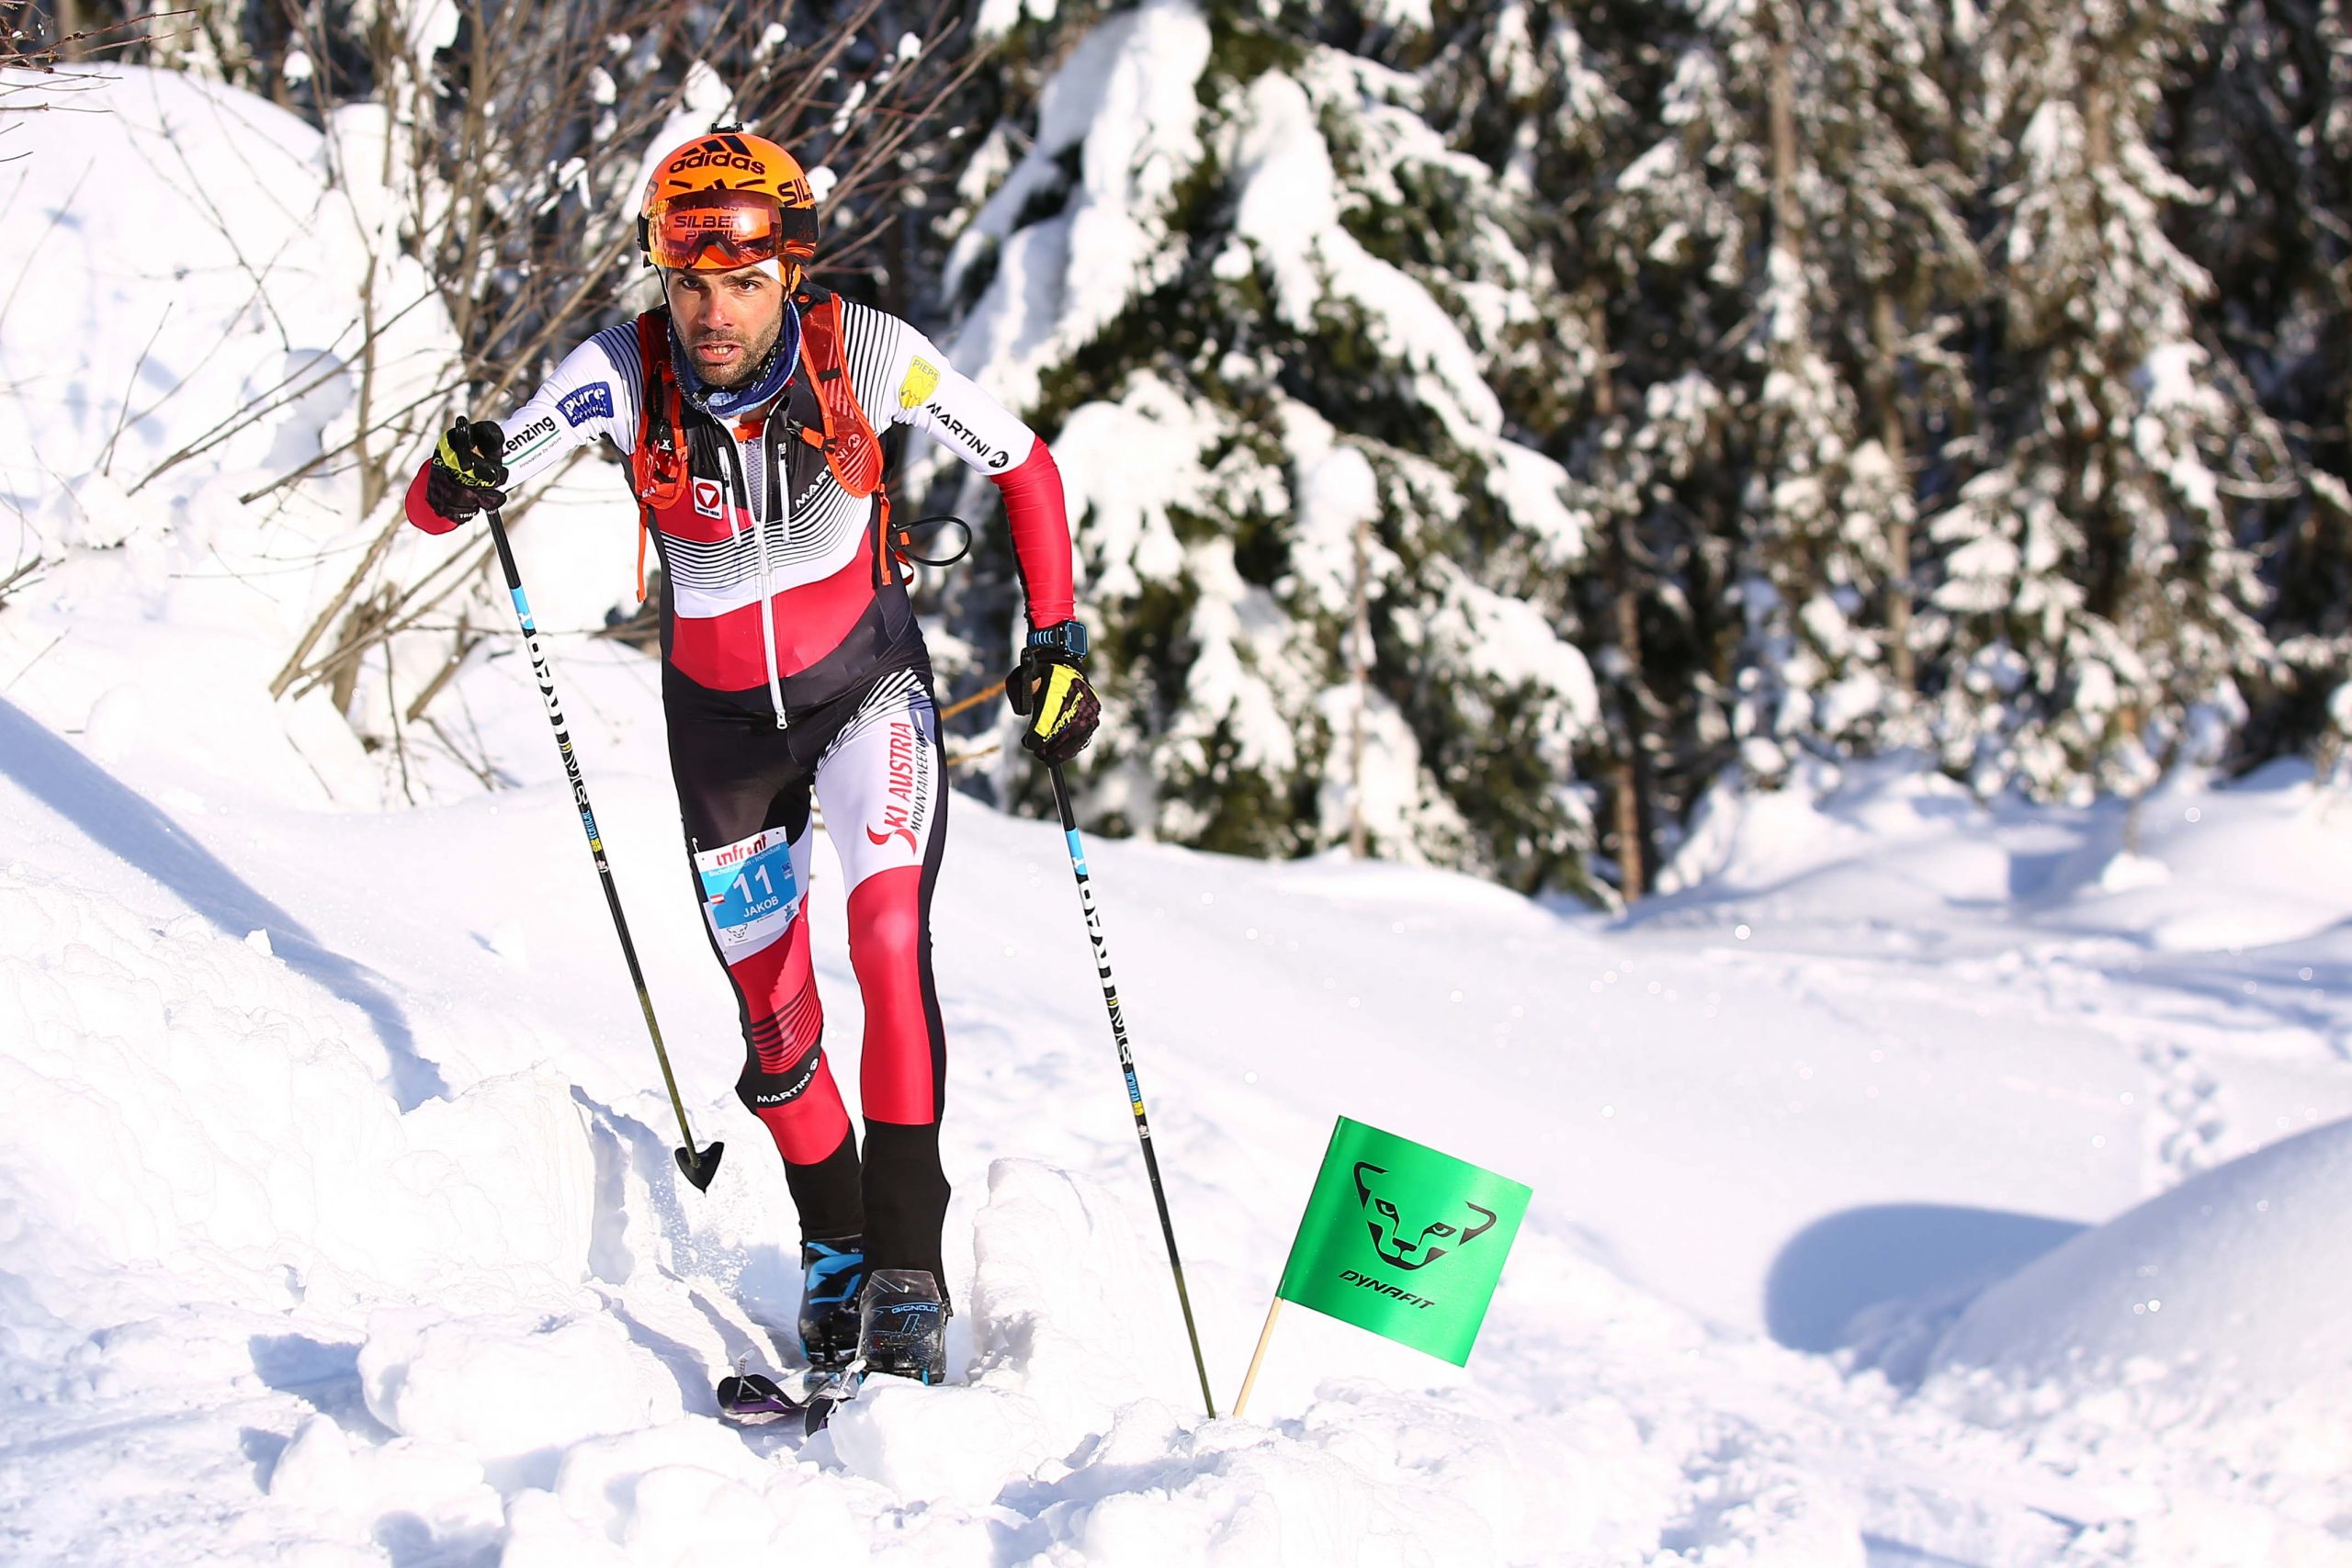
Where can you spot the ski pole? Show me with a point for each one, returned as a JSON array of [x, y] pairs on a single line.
[[1127, 1065], [699, 1168]]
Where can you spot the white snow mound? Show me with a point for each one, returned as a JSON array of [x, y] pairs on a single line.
[[504, 1388], [2228, 1289]]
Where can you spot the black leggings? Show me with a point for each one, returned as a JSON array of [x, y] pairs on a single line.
[[873, 760]]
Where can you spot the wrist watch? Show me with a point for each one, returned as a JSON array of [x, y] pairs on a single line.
[[1066, 637]]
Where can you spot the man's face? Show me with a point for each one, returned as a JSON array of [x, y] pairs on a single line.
[[728, 320]]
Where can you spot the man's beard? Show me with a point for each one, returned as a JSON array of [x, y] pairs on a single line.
[[746, 365]]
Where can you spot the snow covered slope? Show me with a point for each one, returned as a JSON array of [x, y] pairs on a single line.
[[338, 1222]]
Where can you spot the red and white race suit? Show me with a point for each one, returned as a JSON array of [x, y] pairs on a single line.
[[794, 663]]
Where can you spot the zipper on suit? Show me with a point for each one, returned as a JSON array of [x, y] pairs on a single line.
[[759, 550]]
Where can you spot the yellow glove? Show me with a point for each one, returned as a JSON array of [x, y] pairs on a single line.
[[1049, 689]]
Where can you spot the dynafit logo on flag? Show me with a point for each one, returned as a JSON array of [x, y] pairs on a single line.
[[1398, 1241], [1403, 1240]]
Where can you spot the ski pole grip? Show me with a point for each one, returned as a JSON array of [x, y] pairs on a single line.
[[505, 550]]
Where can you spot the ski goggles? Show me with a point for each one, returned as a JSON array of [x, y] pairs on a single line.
[[718, 230]]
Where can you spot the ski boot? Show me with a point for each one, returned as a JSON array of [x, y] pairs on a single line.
[[828, 1295], [902, 1325]]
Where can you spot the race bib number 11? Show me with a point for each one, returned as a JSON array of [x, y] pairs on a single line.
[[748, 890]]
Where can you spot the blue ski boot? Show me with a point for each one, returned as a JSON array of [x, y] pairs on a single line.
[[903, 1326], [829, 1292]]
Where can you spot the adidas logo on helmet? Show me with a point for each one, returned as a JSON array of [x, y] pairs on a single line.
[[702, 157]]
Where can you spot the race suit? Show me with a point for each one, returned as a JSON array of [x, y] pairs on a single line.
[[792, 660]]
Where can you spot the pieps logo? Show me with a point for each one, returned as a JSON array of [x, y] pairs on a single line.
[[923, 379], [1403, 1245]]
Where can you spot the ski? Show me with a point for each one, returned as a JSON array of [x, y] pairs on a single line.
[[753, 1399], [902, 1332], [836, 1391]]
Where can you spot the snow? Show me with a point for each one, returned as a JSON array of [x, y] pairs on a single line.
[[340, 1224], [1338, 494], [2228, 1288], [1531, 487], [1128, 464]]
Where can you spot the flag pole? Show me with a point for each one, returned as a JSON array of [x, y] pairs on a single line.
[[1249, 1380]]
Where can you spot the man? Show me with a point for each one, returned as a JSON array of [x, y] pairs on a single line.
[[792, 660]]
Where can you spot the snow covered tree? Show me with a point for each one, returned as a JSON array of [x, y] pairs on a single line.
[[1252, 297], [1540, 95], [1867, 235], [2263, 127], [2093, 592], [1703, 185]]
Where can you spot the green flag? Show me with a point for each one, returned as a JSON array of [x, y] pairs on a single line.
[[1403, 1240]]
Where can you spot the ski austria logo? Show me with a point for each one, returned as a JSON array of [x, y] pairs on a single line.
[[589, 402], [902, 813], [707, 498], [1399, 1245]]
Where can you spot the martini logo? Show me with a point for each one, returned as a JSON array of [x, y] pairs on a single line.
[[707, 498], [1402, 1244], [995, 456]]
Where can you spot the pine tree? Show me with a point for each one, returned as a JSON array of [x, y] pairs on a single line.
[[2263, 128], [1870, 250], [1252, 297], [2093, 595]]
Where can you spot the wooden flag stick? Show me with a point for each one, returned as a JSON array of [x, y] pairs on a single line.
[[1249, 1380]]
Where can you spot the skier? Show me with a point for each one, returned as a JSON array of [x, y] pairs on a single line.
[[747, 407]]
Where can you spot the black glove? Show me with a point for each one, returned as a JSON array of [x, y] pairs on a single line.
[[465, 473], [1048, 687]]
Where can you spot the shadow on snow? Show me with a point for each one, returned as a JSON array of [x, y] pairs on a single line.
[[126, 824]]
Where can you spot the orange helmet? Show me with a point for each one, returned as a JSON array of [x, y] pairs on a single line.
[[725, 200]]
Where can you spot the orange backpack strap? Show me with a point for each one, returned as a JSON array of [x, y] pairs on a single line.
[[852, 449], [657, 464]]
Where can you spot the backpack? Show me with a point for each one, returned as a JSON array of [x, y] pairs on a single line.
[[659, 467]]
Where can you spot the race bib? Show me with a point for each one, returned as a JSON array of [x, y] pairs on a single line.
[[748, 891]]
